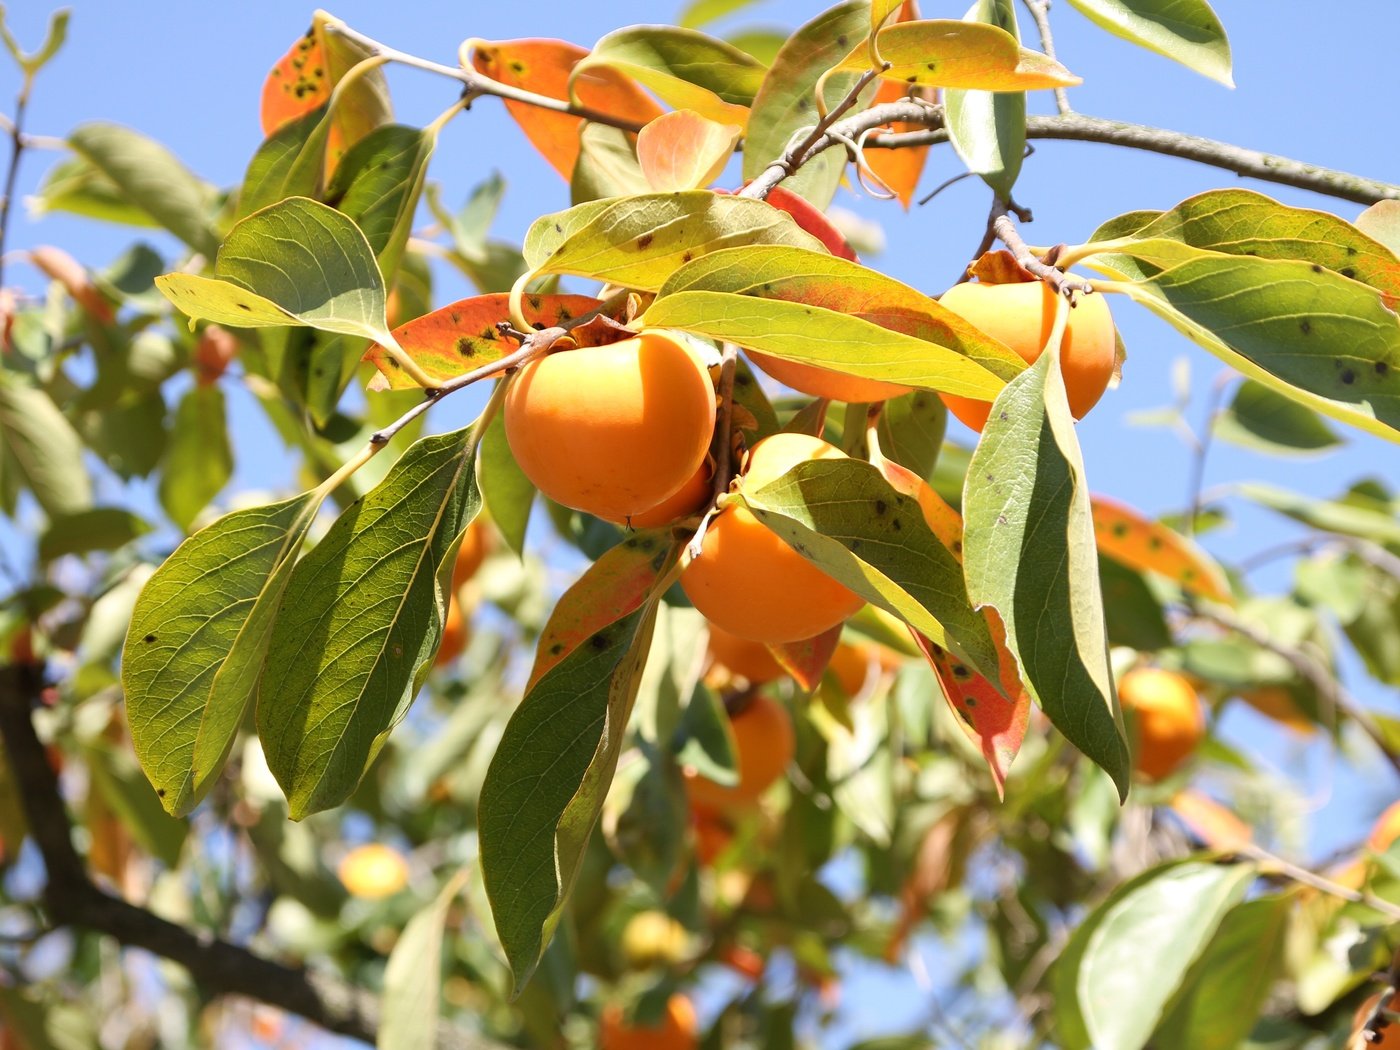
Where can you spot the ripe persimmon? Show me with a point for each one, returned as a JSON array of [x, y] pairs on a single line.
[[476, 544], [1022, 316], [826, 382], [764, 744], [676, 1030], [752, 584], [612, 430], [1168, 719], [373, 871], [454, 634], [743, 658], [653, 938], [712, 833], [687, 500]]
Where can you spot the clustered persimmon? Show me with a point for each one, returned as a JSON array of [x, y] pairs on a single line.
[[1167, 718], [764, 744], [676, 1029]]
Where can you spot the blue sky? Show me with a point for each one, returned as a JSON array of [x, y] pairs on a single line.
[[1312, 84]]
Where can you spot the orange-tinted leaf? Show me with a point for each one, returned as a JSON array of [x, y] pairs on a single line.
[[1000, 267], [1211, 822], [685, 151], [615, 586], [1148, 546], [297, 84], [898, 169], [544, 67], [806, 660], [969, 55], [462, 336], [997, 725], [58, 265]]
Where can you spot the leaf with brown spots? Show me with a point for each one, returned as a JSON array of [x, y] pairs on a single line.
[[461, 336], [996, 724], [806, 660], [544, 67], [1148, 546], [952, 54]]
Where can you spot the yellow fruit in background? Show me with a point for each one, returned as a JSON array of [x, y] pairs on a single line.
[[676, 1030], [1022, 316], [1167, 717], [764, 744], [752, 584], [373, 871], [612, 430], [653, 938]]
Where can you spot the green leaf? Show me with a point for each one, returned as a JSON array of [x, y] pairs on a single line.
[[200, 461], [702, 12], [75, 186], [117, 779], [551, 771], [911, 431], [413, 976], [506, 491], [296, 262], [360, 623], [1261, 418], [268, 178], [708, 738], [42, 448], [1030, 553], [197, 641], [151, 178], [378, 184], [684, 68], [785, 103], [1230, 983], [988, 128], [1186, 31], [1245, 223], [640, 241], [1106, 998], [606, 166], [849, 521], [98, 529], [53, 40], [1134, 614], [1315, 336], [812, 307]]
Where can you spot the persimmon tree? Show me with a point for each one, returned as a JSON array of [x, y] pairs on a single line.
[[703, 601]]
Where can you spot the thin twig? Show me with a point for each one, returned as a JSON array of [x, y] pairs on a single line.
[[219, 967], [721, 446], [475, 84], [1006, 232], [1371, 553], [1310, 668], [1202, 451], [1318, 882], [17, 145], [1040, 12], [829, 131]]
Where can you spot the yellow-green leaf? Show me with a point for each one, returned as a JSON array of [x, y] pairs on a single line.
[[969, 55]]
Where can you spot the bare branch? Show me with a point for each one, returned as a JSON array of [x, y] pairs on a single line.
[[1040, 12], [72, 899]]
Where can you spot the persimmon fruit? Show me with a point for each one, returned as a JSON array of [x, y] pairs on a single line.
[[612, 430], [653, 938], [476, 544], [826, 382], [455, 635], [373, 871], [743, 658], [689, 499], [764, 744], [1022, 316], [1168, 718], [750, 583], [676, 1029]]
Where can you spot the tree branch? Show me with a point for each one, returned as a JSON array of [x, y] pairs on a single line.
[[72, 899], [1250, 163], [1040, 12]]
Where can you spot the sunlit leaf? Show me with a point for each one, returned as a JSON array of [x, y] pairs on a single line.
[[413, 976], [685, 151], [1210, 821], [545, 788], [1381, 222], [988, 128], [33, 61], [198, 638], [42, 448], [606, 166], [1186, 31], [1029, 553], [199, 462], [545, 67], [1106, 999], [1148, 546], [378, 184], [684, 68], [360, 622], [968, 55], [640, 241], [815, 308], [785, 104], [807, 660], [1261, 418]]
